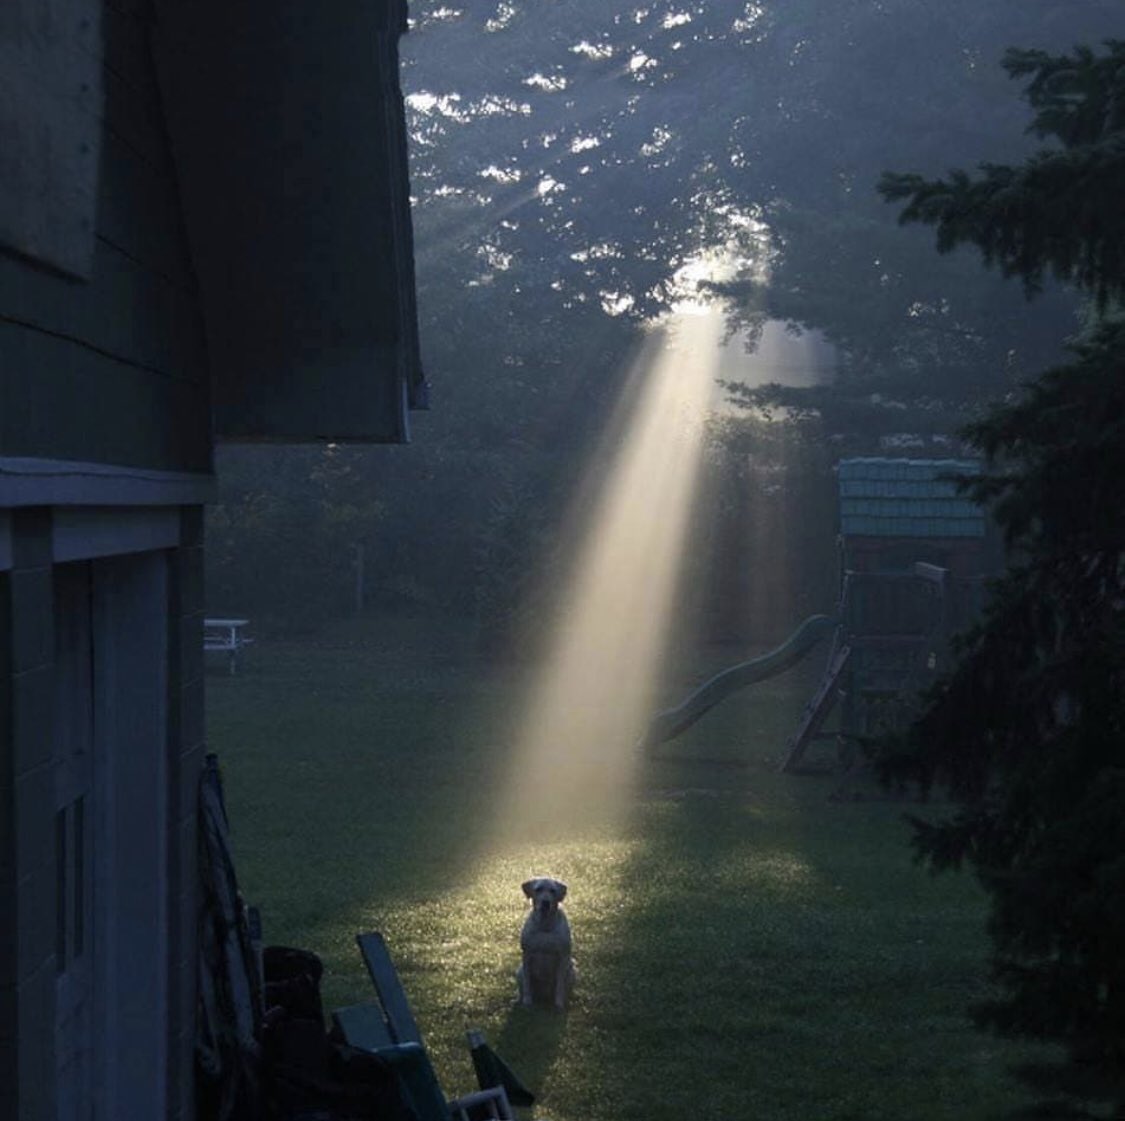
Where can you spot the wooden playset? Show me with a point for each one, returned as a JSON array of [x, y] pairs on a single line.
[[914, 556]]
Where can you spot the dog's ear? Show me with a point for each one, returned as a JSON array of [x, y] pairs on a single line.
[[560, 887], [528, 887]]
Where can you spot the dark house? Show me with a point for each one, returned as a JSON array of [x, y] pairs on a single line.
[[204, 232]]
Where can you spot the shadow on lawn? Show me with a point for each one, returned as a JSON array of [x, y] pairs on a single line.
[[535, 1035], [656, 1037], [1066, 1089]]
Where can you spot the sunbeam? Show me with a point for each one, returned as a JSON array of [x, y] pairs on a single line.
[[594, 694]]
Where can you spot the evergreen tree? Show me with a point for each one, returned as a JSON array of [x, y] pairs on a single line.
[[1061, 210], [1028, 731]]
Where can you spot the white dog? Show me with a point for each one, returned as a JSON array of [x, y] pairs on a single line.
[[547, 973]]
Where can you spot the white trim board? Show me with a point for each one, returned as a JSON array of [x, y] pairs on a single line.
[[60, 482], [84, 533], [90, 532]]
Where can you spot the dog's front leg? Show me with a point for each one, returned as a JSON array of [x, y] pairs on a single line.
[[561, 987], [523, 982], [566, 981]]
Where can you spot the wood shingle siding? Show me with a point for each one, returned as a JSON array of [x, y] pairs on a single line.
[[113, 369], [50, 93], [96, 408], [907, 498]]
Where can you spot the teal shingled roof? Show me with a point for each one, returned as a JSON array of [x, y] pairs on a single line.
[[906, 498]]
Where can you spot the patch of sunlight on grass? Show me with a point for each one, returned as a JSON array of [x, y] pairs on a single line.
[[457, 950], [776, 871]]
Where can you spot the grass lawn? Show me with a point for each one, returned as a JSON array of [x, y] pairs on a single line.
[[746, 947]]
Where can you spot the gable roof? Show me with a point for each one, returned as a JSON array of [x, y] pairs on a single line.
[[907, 498]]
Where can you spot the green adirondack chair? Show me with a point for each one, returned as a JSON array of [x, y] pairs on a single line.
[[387, 1028]]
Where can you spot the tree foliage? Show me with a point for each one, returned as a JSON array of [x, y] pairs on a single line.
[[1060, 211], [283, 537], [1028, 731]]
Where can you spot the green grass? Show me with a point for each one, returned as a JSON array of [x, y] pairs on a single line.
[[747, 948]]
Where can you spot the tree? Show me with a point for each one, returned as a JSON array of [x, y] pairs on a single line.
[[283, 537], [1027, 732], [1060, 211]]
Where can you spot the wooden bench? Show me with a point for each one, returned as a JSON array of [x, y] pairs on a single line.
[[225, 636], [386, 1027]]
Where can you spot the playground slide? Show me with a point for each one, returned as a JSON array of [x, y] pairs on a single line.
[[671, 722]]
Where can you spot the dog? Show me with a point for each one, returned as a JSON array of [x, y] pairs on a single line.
[[547, 974]]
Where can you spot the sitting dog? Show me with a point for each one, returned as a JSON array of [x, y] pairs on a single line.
[[547, 973]]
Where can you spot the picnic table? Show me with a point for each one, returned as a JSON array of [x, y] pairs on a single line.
[[226, 635]]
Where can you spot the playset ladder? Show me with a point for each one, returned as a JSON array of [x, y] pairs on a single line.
[[817, 708]]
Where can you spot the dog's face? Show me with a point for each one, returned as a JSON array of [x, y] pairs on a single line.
[[545, 894]]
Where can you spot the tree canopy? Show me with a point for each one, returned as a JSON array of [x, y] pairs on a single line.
[[1028, 731]]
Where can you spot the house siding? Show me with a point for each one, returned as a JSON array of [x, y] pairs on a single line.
[[113, 370], [27, 874], [28, 880], [99, 374]]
